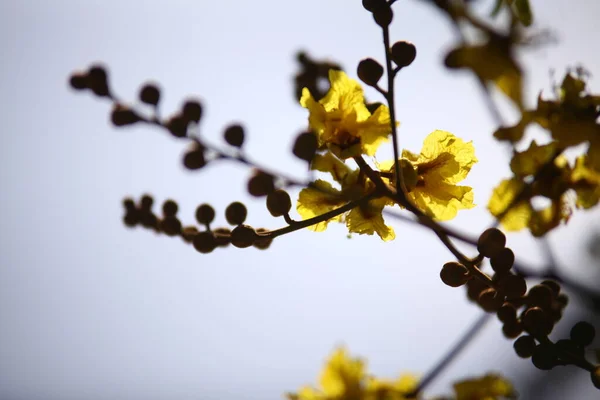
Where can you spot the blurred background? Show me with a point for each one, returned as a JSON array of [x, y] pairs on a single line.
[[90, 309]]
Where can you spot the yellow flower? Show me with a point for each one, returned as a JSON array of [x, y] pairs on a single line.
[[431, 176], [537, 173], [379, 389], [342, 121], [342, 379], [586, 183], [323, 197], [489, 387], [345, 378]]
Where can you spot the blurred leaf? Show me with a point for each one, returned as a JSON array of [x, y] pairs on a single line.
[[522, 10]]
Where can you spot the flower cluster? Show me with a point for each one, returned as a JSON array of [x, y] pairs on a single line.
[[346, 378]]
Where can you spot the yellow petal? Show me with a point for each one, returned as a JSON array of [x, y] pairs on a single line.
[[369, 221], [503, 196], [345, 94], [586, 182], [316, 116], [313, 202], [375, 130], [441, 200], [489, 387], [530, 161], [445, 157], [342, 374], [329, 163]]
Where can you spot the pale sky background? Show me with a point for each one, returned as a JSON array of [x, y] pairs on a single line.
[[92, 310]]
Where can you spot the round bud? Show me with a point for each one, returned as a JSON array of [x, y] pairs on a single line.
[[223, 236], [243, 236], [511, 330], [205, 214], [503, 261], [149, 220], [150, 94], [279, 203], [544, 357], [205, 242], [305, 146], [262, 243], [78, 80], [490, 300], [540, 296], [596, 377], [98, 80], [122, 115], [369, 71], [189, 233], [131, 218], [554, 286], [171, 226], [236, 213], [234, 135], [260, 184], [562, 299], [537, 322], [513, 286], [383, 15], [192, 111], [194, 159], [524, 346], [146, 202], [583, 333], [370, 5], [403, 53], [507, 313], [491, 242], [454, 274], [474, 289], [169, 208], [129, 204], [177, 125]]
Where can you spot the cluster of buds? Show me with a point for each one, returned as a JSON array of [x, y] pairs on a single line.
[[206, 240], [529, 315]]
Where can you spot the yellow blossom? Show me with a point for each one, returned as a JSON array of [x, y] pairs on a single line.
[[489, 387], [342, 121], [538, 172], [322, 197], [444, 161], [345, 378]]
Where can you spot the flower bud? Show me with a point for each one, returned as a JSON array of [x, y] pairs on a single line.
[[491, 242], [305, 146], [369, 71], [236, 213], [171, 226], [122, 115], [279, 203], [98, 80], [490, 300], [78, 80], [177, 125], [503, 261], [150, 94], [194, 159], [146, 202], [507, 313], [540, 296], [205, 214], [454, 274], [223, 236], [583, 333], [513, 286], [383, 15], [524, 346], [170, 208], [403, 53], [192, 110], [512, 329], [260, 184], [234, 135], [262, 243], [243, 236], [205, 242], [371, 5], [537, 322], [544, 357]]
